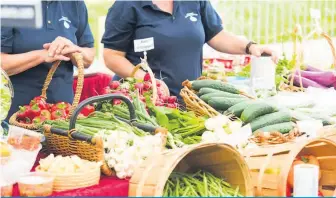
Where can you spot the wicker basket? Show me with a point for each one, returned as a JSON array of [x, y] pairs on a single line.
[[221, 159], [68, 181], [80, 64], [194, 103], [269, 166], [69, 142]]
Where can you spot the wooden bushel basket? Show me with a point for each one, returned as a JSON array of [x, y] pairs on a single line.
[[269, 166], [222, 160], [328, 132]]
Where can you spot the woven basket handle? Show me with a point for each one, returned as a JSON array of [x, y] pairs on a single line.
[[94, 99], [332, 46], [80, 65]]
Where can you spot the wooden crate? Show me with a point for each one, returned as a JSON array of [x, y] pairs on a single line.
[[222, 160], [328, 132], [269, 166]]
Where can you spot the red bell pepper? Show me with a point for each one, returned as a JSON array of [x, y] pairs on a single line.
[[34, 111], [40, 101], [45, 113], [87, 110], [22, 114], [320, 194], [61, 106], [58, 114], [288, 191], [39, 119]]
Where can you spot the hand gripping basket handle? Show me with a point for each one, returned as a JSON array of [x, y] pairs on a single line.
[[80, 65], [91, 100]]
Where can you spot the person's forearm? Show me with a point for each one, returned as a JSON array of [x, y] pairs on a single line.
[[228, 43], [16, 63], [121, 66], [88, 56]]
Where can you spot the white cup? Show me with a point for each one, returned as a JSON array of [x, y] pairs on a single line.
[[306, 178], [262, 73]]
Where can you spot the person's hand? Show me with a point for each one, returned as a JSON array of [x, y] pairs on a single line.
[[163, 87], [48, 59], [60, 46], [257, 50]]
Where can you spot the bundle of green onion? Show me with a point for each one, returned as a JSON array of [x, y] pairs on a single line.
[[199, 184]]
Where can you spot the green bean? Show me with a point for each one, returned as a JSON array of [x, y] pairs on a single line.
[[198, 184]]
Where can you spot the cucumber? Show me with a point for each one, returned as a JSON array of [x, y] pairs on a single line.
[[222, 103], [255, 110], [215, 84], [205, 90], [284, 127], [238, 109], [223, 94], [270, 119], [326, 120]]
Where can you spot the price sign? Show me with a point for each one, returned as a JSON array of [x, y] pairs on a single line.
[[142, 45], [21, 13]]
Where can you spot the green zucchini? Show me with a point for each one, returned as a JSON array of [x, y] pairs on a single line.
[[206, 90], [215, 84], [238, 109], [223, 94], [270, 119], [255, 110], [284, 127], [223, 103]]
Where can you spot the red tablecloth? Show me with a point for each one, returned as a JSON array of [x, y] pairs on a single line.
[[108, 186], [93, 85]]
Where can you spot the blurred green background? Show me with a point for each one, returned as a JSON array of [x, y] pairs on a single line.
[[265, 21]]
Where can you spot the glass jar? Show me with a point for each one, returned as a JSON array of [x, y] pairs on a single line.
[[7, 93]]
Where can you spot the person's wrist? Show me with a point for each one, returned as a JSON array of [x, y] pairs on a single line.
[[140, 74], [42, 55], [249, 46]]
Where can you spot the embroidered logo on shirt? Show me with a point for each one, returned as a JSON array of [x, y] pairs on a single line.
[[66, 22], [191, 16]]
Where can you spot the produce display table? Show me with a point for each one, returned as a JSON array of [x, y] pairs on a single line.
[[94, 84], [108, 186]]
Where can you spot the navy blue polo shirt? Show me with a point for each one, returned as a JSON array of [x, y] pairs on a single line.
[[178, 37], [68, 19]]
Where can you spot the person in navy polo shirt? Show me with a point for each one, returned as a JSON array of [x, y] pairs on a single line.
[[27, 54], [179, 29]]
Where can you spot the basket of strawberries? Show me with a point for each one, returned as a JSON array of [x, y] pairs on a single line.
[[31, 116]]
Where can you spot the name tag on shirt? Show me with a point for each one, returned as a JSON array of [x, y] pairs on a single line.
[[141, 45]]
